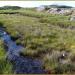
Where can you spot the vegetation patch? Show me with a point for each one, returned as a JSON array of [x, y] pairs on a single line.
[[5, 65], [49, 37]]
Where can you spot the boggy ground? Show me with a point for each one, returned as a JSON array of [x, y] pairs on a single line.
[[45, 36], [20, 64]]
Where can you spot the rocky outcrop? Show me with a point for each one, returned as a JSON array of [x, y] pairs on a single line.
[[72, 18], [60, 11]]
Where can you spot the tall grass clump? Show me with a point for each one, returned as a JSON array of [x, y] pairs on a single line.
[[5, 65]]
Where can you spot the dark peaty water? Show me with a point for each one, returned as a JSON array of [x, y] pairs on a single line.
[[21, 65]]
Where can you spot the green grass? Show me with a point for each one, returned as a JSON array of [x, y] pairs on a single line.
[[5, 65], [43, 35]]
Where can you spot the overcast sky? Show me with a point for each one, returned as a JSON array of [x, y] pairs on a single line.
[[36, 3]]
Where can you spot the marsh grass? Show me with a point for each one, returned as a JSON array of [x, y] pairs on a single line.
[[41, 33], [5, 65]]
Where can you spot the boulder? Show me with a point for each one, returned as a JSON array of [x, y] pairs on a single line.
[[72, 18]]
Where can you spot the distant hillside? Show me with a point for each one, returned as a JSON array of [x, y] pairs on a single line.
[[10, 7], [59, 6], [56, 6]]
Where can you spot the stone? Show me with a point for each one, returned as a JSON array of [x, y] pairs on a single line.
[[72, 18]]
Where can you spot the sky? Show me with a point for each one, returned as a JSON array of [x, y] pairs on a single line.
[[35, 3]]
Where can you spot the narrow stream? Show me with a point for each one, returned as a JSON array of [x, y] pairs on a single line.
[[21, 64]]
